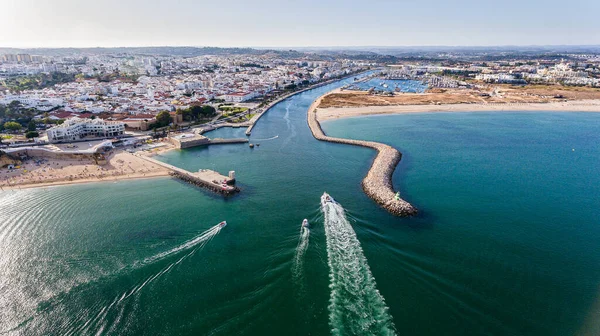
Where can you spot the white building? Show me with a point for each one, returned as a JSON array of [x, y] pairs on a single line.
[[238, 97], [78, 128]]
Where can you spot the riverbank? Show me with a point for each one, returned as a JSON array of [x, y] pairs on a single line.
[[252, 122], [378, 182], [566, 106]]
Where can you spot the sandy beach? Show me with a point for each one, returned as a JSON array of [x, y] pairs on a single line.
[[42, 172], [565, 106]]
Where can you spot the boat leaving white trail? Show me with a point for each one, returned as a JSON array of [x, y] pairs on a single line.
[[297, 268], [201, 240], [99, 321], [355, 307], [267, 139]]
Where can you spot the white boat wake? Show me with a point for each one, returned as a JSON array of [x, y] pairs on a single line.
[[290, 126], [355, 307], [99, 321], [201, 240], [267, 139], [298, 266]]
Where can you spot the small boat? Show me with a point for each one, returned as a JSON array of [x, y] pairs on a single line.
[[257, 145], [305, 223], [251, 145], [326, 199], [222, 224]]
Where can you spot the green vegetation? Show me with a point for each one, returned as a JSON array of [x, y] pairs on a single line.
[[232, 109], [163, 119], [16, 112], [252, 65], [4, 137], [197, 112], [12, 126], [108, 77], [36, 82], [32, 134], [31, 125], [243, 118], [290, 87]]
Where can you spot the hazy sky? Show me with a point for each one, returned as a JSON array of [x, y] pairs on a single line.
[[270, 23]]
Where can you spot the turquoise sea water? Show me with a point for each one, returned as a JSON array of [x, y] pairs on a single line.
[[506, 243]]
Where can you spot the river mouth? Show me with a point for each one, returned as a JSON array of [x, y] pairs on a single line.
[[507, 245]]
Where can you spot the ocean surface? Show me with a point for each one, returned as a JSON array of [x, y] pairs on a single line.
[[506, 242]]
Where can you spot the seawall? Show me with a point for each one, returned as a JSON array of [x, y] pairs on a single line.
[[378, 182], [205, 178]]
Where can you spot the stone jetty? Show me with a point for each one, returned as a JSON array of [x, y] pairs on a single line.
[[378, 182], [205, 178]]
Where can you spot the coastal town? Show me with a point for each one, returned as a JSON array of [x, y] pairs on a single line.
[[143, 105], [57, 110], [258, 168]]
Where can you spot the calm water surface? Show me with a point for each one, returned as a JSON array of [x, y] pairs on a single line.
[[507, 242]]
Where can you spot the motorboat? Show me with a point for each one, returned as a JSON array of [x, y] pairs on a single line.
[[305, 223], [326, 199], [222, 224]]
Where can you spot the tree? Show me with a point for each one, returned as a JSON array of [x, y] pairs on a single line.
[[163, 118], [12, 126], [32, 134], [208, 111], [31, 126]]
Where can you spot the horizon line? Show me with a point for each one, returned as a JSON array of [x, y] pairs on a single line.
[[313, 46]]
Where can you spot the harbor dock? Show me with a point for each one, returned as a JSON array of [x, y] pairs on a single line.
[[205, 178], [189, 140]]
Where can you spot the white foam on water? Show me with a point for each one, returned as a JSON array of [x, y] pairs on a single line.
[[267, 139], [99, 321], [200, 239], [290, 125], [355, 307], [298, 266]]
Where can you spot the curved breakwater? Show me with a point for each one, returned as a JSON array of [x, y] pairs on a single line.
[[378, 182], [355, 307]]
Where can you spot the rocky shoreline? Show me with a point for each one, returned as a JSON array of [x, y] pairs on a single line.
[[378, 182]]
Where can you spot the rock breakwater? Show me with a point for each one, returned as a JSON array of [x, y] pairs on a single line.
[[378, 182]]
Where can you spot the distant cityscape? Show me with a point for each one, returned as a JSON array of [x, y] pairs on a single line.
[[132, 88]]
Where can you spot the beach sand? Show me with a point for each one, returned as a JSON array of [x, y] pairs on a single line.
[[565, 106], [120, 165]]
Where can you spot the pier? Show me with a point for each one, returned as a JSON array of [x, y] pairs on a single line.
[[189, 140], [378, 182], [205, 178]]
